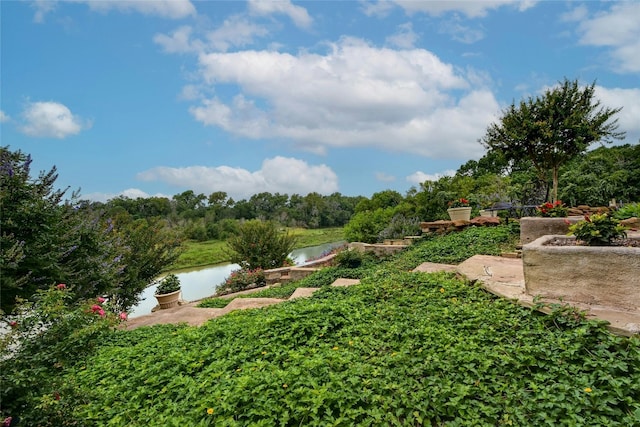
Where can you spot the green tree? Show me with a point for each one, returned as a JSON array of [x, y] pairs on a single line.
[[260, 244], [551, 129], [47, 240]]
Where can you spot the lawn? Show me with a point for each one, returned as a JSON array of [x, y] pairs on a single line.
[[401, 348], [198, 254]]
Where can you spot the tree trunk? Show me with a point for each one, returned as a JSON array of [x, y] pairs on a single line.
[[555, 185]]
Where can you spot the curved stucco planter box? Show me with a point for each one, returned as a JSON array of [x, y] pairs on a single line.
[[602, 275], [533, 227]]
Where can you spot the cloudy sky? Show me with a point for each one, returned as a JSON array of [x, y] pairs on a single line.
[[155, 97]]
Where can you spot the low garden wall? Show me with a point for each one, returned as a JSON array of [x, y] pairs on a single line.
[[602, 275]]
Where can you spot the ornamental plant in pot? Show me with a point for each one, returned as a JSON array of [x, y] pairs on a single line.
[[168, 291], [459, 209]]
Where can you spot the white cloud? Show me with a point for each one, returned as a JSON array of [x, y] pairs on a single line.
[[51, 120], [472, 9], [4, 117], [618, 29], [235, 31], [179, 41], [355, 95], [419, 177], [298, 14], [277, 175], [629, 99], [172, 9], [404, 38]]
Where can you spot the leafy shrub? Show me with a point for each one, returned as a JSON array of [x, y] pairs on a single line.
[[366, 226], [597, 230], [628, 211], [241, 280], [400, 227], [169, 283], [349, 258], [260, 244]]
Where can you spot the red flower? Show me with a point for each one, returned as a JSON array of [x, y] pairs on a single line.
[[101, 300], [13, 324], [123, 316], [95, 308], [61, 286]]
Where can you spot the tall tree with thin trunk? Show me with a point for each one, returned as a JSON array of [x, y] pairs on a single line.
[[553, 128]]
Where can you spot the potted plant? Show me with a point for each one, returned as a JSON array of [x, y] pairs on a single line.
[[597, 265], [459, 209], [168, 291]]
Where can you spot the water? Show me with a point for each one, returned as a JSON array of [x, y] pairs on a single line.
[[202, 282]]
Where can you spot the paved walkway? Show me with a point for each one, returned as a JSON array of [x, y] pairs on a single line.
[[499, 275]]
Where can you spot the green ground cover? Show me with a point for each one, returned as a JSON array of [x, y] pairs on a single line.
[[198, 254], [400, 349]]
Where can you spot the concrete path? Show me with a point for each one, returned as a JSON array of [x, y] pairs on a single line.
[[501, 276]]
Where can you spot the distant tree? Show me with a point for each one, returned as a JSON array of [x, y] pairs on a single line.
[[552, 129], [260, 244], [597, 176]]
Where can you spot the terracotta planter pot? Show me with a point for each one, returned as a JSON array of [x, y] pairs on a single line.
[[603, 275], [460, 214], [168, 300]]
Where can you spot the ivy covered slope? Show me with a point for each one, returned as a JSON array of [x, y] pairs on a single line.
[[401, 349]]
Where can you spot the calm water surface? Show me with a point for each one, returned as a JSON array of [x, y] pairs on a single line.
[[202, 282]]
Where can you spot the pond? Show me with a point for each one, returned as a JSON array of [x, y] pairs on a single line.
[[202, 282]]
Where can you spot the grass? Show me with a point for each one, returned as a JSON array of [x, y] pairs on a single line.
[[400, 349], [198, 254]]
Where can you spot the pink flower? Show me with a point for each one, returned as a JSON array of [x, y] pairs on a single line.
[[123, 316], [61, 286], [13, 324], [95, 308], [101, 312], [7, 421], [101, 300]]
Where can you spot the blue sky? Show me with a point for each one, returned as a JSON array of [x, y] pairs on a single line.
[[144, 98]]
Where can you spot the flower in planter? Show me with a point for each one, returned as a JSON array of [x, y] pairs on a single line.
[[459, 203], [598, 230], [552, 210]]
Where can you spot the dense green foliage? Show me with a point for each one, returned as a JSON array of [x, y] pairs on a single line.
[[551, 129], [46, 337], [401, 348], [260, 244], [600, 175], [628, 211]]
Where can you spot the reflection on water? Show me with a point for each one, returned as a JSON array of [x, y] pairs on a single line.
[[202, 282]]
